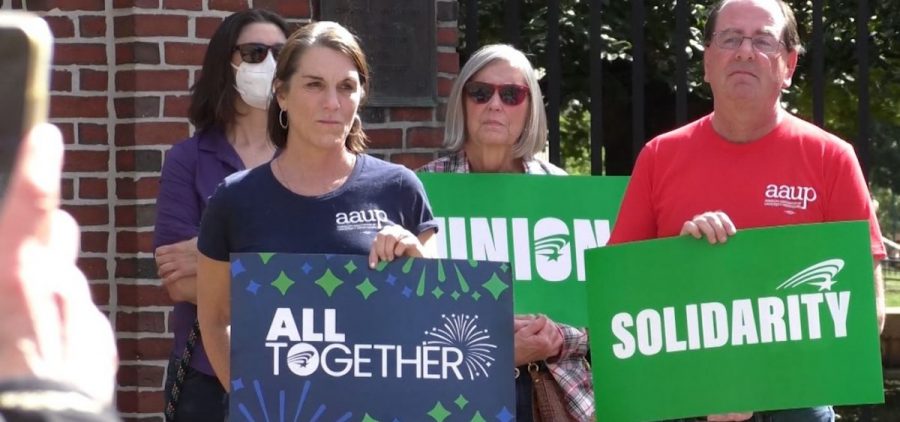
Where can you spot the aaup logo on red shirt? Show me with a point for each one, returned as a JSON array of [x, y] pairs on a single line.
[[790, 197]]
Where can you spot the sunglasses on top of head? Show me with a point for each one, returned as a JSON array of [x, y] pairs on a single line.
[[482, 92], [256, 52]]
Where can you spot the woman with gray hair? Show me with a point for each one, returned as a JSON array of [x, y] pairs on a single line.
[[495, 134], [496, 123]]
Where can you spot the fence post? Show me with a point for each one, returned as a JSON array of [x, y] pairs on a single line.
[[554, 80], [596, 60], [638, 16]]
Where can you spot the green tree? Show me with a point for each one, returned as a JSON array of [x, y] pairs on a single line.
[[841, 70], [841, 91], [574, 27], [840, 65]]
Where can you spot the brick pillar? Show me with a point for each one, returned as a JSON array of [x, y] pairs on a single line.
[[413, 136], [119, 93]]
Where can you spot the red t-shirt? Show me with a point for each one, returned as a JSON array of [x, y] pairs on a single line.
[[796, 174]]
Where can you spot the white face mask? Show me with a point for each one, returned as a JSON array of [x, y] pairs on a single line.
[[254, 81]]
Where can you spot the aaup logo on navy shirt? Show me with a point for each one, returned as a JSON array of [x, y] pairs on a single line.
[[366, 219]]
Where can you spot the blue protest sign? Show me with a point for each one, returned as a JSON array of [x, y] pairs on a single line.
[[323, 337]]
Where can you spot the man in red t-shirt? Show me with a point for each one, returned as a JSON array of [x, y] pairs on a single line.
[[749, 163]]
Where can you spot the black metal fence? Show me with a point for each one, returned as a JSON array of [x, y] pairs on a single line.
[[618, 158]]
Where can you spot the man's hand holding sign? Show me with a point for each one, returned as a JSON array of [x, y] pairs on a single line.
[[715, 226], [749, 164]]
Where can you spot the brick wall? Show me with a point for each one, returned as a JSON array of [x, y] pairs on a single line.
[[119, 93]]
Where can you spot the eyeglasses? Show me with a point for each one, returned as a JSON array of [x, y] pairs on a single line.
[[732, 40], [255, 52], [482, 92]]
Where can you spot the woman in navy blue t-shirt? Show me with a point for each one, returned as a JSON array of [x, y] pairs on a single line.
[[321, 194]]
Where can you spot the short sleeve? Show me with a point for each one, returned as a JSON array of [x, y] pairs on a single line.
[[849, 197], [636, 219], [213, 239], [418, 217]]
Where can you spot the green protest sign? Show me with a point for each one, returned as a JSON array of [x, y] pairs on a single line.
[[540, 224], [776, 318]]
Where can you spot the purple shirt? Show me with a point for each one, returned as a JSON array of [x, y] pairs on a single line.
[[193, 169]]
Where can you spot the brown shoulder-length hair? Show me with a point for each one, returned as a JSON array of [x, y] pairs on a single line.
[[213, 94], [318, 34]]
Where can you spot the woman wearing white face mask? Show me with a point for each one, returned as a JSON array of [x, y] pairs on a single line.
[[228, 109], [253, 78]]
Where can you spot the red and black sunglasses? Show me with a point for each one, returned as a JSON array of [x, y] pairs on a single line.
[[482, 92], [255, 52]]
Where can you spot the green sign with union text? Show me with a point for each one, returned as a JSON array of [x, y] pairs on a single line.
[[541, 225], [776, 318]]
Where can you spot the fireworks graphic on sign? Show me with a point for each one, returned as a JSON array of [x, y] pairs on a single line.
[[462, 332]]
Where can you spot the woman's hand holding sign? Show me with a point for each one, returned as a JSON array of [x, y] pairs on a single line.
[[394, 241]]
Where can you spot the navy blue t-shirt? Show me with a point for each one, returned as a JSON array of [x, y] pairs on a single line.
[[251, 211]]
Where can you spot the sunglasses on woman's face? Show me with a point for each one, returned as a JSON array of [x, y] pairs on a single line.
[[255, 52], [482, 92]]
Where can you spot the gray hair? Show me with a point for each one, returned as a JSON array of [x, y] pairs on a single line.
[[534, 133], [790, 35]]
